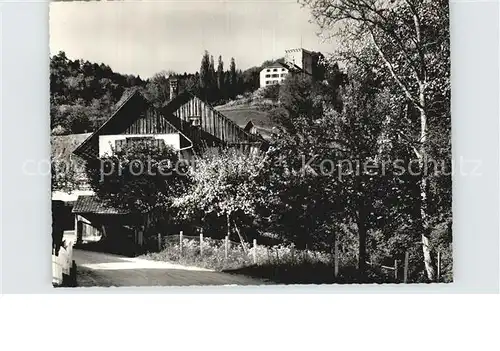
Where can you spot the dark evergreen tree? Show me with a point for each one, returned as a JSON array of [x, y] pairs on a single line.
[[205, 74], [212, 88], [220, 78], [232, 79]]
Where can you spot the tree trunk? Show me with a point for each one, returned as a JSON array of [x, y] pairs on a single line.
[[243, 244], [362, 241], [429, 267]]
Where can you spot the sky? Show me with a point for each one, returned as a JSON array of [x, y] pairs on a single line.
[[148, 36]]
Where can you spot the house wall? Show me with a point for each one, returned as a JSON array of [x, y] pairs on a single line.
[[272, 75], [106, 142]]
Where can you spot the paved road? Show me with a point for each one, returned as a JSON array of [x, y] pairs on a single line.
[[100, 269]]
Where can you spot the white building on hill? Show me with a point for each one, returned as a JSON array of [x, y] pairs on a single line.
[[296, 60], [273, 74]]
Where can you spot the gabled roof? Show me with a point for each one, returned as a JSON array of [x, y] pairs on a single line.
[[186, 96], [276, 64], [82, 149], [87, 148], [92, 204], [248, 126]]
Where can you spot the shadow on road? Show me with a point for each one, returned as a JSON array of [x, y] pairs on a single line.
[[158, 277], [110, 247], [309, 273]]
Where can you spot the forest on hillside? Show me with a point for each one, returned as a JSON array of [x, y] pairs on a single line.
[[84, 94]]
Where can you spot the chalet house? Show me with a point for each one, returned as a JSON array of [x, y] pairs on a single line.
[[186, 123]]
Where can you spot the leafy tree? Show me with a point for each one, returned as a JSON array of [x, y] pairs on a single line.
[[298, 204], [271, 92], [190, 82], [158, 88], [62, 174], [141, 178], [223, 185], [251, 79], [344, 145], [411, 39], [357, 131], [82, 93], [297, 96]]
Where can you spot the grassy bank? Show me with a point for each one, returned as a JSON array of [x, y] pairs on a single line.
[[281, 264]]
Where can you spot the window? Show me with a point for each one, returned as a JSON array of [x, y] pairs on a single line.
[[283, 74], [268, 75], [275, 70], [268, 70], [133, 140], [195, 120], [150, 141], [282, 69], [275, 75], [268, 82], [119, 145]]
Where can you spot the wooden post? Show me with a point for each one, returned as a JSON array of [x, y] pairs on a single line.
[[226, 246], [336, 258], [405, 277], [159, 242], [396, 269], [79, 230], [141, 237], [201, 243], [180, 243], [255, 251], [76, 229], [439, 266]]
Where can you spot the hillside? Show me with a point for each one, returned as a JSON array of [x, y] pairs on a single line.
[[243, 113]]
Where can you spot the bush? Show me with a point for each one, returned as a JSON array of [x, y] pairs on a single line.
[[214, 254], [278, 263], [268, 92]]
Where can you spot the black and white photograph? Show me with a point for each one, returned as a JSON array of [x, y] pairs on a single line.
[[253, 143]]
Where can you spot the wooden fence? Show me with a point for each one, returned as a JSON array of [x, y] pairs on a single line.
[[261, 254], [63, 266], [251, 253]]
